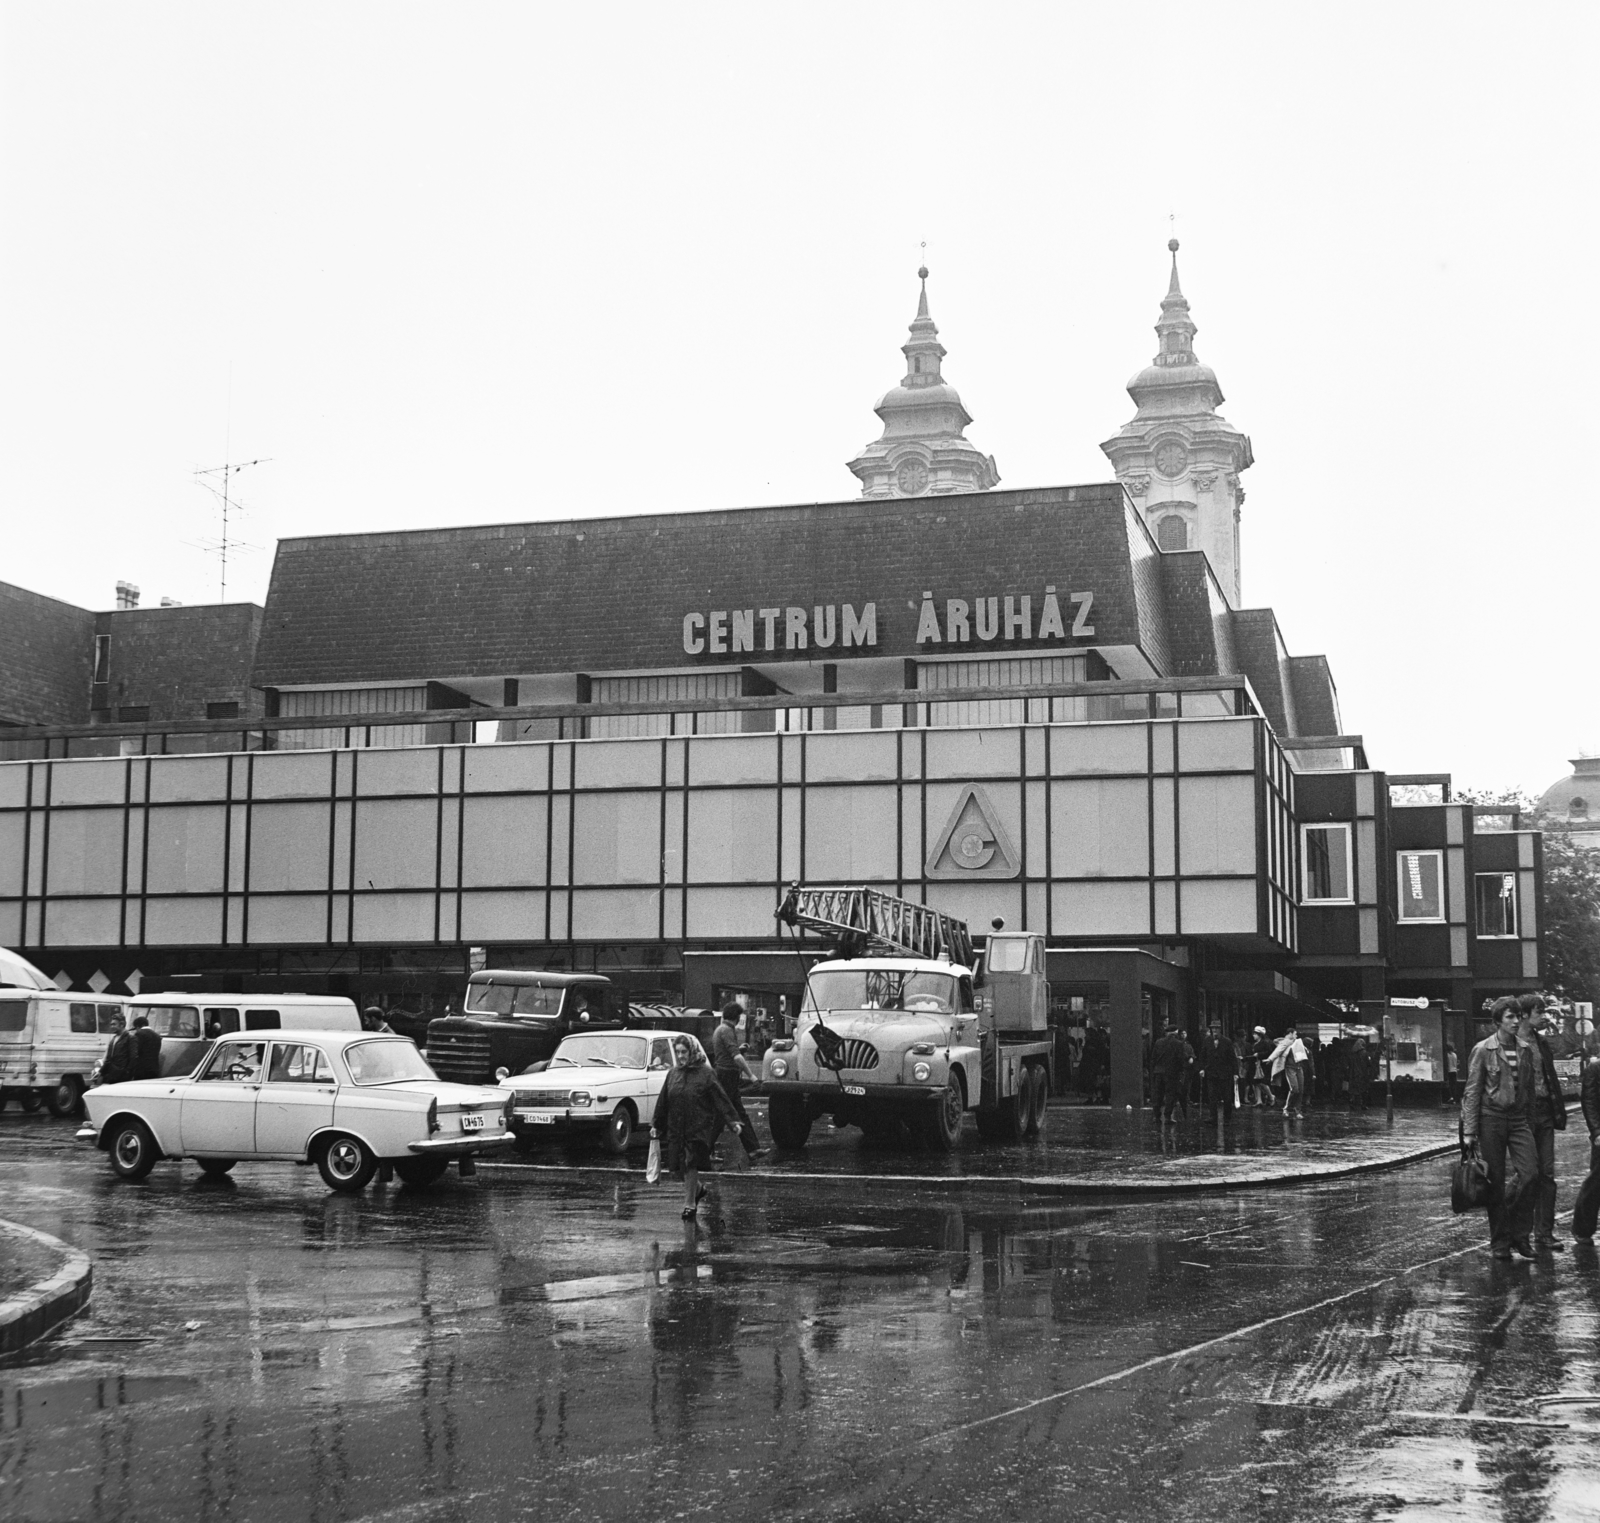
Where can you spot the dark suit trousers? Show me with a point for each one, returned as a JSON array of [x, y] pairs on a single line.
[[1587, 1206], [1544, 1142], [1507, 1137]]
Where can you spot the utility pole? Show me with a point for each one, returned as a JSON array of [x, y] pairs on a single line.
[[225, 496]]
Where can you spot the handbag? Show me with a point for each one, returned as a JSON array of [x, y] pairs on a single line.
[[1469, 1179], [652, 1163]]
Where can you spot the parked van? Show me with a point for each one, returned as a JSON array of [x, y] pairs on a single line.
[[49, 1044], [189, 1023]]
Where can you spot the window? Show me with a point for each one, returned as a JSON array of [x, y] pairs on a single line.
[[81, 1019], [1325, 864], [537, 999], [1421, 886], [13, 1015], [1497, 904], [112, 1019], [1172, 533], [234, 1063], [221, 1022], [102, 658], [294, 1064], [174, 1020], [386, 1060], [262, 1020], [134, 713], [226, 710], [660, 1053]]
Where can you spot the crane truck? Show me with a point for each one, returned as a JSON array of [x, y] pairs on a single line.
[[903, 1027]]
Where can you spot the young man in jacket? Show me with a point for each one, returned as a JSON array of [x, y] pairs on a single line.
[[1587, 1206], [1549, 1116], [1496, 1116], [1170, 1061], [146, 1049], [1219, 1066]]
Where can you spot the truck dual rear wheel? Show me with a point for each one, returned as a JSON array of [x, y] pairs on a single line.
[[941, 1126], [789, 1120]]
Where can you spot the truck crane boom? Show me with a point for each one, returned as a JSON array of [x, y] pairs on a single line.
[[866, 920]]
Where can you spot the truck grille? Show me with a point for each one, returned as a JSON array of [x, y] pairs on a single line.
[[859, 1054], [462, 1056]]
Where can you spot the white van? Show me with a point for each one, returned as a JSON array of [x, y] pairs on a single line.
[[49, 1044], [188, 1023]]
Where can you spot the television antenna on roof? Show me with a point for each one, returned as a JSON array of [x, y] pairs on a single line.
[[229, 505]]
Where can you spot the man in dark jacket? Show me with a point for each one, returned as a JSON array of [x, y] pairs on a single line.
[[146, 1049], [729, 1065], [116, 1067], [1495, 1115], [1219, 1066], [1548, 1116], [1170, 1061], [1587, 1206]]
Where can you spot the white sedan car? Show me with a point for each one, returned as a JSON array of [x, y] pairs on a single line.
[[599, 1083], [343, 1100]]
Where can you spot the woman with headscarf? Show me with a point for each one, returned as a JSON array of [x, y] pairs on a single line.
[[690, 1112]]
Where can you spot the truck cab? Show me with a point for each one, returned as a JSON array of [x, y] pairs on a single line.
[[515, 1017]]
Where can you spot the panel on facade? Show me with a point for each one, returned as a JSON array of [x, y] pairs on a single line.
[[854, 757], [511, 915], [180, 779], [741, 914], [288, 846], [618, 764], [1099, 748], [978, 903], [392, 917], [84, 923], [397, 772], [1099, 828], [88, 782], [1100, 909], [850, 833], [10, 924], [285, 775], [1219, 908], [733, 836], [183, 922], [270, 920], [971, 754], [733, 759], [85, 851], [396, 843], [185, 845], [11, 834], [13, 785], [616, 838], [1217, 745], [1216, 826], [508, 768], [615, 914], [503, 841]]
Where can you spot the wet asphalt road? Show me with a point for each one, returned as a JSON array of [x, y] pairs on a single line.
[[564, 1346]]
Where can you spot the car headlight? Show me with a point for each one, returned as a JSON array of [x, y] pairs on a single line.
[[779, 1068], [579, 1098], [920, 1072]]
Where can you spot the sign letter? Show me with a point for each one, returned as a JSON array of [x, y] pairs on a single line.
[[862, 631], [693, 623], [1081, 624]]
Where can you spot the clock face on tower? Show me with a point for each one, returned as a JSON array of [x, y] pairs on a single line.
[[1171, 457], [912, 478]]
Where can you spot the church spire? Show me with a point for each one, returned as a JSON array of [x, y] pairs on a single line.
[[923, 449], [1176, 329]]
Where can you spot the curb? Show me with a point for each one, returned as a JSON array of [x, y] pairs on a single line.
[[43, 1307], [1030, 1184]]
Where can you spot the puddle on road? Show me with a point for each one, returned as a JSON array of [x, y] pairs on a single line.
[[30, 1404]]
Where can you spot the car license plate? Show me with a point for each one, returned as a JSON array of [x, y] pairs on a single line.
[[473, 1121], [855, 1089], [539, 1120]]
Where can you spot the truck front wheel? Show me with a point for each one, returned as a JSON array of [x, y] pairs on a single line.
[[1036, 1094], [942, 1120], [789, 1120]]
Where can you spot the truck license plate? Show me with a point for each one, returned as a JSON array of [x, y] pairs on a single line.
[[472, 1121], [855, 1089]]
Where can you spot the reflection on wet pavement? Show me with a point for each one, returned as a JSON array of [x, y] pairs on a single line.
[[548, 1346]]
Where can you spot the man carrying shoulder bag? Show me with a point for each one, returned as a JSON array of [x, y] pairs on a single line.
[[1496, 1117]]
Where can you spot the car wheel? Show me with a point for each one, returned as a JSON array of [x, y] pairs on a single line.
[[942, 1121], [789, 1120], [132, 1150], [66, 1098], [215, 1168], [346, 1164], [418, 1172], [31, 1100], [619, 1130]]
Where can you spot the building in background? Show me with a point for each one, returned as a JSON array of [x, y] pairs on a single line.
[[1573, 804]]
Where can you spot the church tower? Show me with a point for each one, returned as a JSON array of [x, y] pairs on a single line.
[[923, 451], [1179, 459]]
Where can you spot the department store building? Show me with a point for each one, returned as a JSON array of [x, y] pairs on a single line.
[[609, 744]]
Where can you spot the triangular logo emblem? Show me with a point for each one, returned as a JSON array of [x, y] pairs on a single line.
[[973, 844]]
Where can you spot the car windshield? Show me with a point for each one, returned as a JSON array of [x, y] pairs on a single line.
[[541, 1001], [611, 1051], [880, 989], [385, 1062], [174, 1020]]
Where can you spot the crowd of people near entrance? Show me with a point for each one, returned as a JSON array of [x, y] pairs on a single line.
[[1255, 1071]]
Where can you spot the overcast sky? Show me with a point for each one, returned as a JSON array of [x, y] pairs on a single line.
[[470, 262]]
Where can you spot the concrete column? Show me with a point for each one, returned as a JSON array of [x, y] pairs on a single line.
[[1127, 1049]]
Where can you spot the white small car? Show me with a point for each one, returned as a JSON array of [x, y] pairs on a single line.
[[343, 1100], [599, 1083]]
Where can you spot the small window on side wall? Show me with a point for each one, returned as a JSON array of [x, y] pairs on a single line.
[[1420, 895], [1172, 533], [1497, 904], [1325, 864]]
